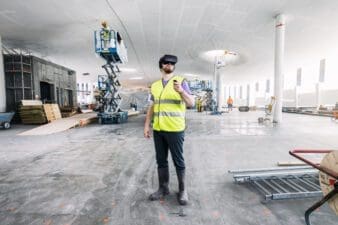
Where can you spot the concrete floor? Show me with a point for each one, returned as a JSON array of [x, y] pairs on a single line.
[[103, 174]]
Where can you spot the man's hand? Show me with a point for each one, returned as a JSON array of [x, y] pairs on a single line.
[[146, 132], [178, 87]]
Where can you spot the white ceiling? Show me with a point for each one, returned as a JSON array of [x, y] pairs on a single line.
[[62, 31]]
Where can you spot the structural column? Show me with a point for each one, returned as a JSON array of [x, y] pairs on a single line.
[[248, 94], [318, 95], [296, 96], [219, 90], [279, 66], [2, 82], [320, 81], [298, 84]]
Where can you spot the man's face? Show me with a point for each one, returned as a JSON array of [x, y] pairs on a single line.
[[168, 67]]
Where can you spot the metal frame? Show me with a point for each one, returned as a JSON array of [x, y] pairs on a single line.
[[327, 171], [281, 183]]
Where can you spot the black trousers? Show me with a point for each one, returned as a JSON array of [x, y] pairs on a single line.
[[169, 140]]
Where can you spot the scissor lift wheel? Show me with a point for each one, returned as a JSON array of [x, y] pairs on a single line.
[[7, 125]]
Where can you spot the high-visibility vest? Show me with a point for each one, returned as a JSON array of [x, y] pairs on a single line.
[[105, 32], [169, 107]]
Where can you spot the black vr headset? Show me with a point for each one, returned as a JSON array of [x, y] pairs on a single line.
[[172, 59]]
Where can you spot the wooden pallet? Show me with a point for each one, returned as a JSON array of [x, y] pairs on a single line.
[[52, 112]]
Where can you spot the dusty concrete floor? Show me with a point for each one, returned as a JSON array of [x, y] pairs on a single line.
[[104, 174]]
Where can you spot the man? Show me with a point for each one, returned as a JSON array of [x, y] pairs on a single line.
[[171, 95], [230, 102], [105, 35]]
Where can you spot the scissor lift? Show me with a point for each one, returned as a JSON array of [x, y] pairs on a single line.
[[111, 48]]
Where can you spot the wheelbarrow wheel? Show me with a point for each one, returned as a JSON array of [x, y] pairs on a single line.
[[7, 125]]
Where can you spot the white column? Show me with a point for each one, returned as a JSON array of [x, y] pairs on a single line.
[[298, 84], [279, 67], [214, 82], [2, 82], [220, 97], [218, 89], [296, 96], [318, 95], [248, 95], [241, 92]]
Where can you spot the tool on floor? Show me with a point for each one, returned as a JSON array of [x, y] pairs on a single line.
[[281, 183], [109, 45], [328, 177]]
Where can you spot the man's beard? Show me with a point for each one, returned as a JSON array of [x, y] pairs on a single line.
[[168, 70]]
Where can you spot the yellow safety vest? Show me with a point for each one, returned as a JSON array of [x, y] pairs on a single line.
[[105, 32], [169, 107]]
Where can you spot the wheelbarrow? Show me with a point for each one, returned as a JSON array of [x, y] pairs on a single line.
[[5, 119], [328, 178]]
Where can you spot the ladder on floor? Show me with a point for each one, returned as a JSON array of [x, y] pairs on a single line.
[[281, 183]]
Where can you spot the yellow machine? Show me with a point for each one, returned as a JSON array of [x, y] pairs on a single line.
[[269, 109]]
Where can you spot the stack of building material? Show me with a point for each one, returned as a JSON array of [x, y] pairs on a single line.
[[32, 112], [67, 111], [52, 112]]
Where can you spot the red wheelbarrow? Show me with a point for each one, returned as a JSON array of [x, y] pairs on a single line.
[[5, 119], [328, 177]]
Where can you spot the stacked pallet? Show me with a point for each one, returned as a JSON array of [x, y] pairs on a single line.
[[67, 111], [32, 112]]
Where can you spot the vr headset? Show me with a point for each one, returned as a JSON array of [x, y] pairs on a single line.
[[167, 59]]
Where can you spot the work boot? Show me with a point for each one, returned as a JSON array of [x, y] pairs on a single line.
[[163, 182], [182, 196]]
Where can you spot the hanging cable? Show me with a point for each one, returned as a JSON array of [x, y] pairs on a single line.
[[125, 29]]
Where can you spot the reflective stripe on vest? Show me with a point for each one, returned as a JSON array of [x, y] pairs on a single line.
[[169, 108], [170, 114], [168, 101]]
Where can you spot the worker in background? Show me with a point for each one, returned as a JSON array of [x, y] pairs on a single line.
[[170, 95], [199, 104], [105, 35], [230, 103]]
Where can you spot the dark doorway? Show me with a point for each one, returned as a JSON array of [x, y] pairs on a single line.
[[70, 98], [46, 92]]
